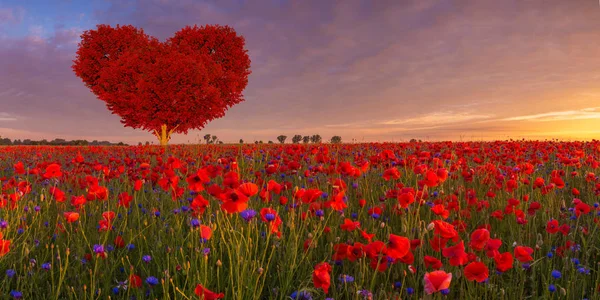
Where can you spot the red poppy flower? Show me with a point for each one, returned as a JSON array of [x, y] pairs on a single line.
[[492, 246], [233, 201], [206, 294], [457, 254], [135, 281], [273, 186], [349, 225], [504, 261], [205, 232], [552, 226], [321, 276], [391, 173], [431, 179], [405, 199], [477, 271], [479, 239], [444, 229], [4, 246], [432, 262], [398, 246], [58, 195], [440, 210], [124, 200], [196, 181], [52, 171], [119, 242], [356, 251], [71, 216], [582, 208], [19, 168], [437, 281], [523, 254], [248, 189]]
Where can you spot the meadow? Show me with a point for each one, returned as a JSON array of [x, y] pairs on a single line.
[[472, 220]]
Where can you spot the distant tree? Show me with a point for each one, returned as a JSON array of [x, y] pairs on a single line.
[[296, 139], [306, 139], [315, 138], [255, 142], [207, 138], [213, 139], [413, 141], [282, 139], [147, 143], [241, 141], [165, 88], [260, 142], [220, 142], [270, 142], [336, 139], [5, 141], [139, 143]]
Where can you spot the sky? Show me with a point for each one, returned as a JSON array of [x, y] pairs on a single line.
[[364, 70]]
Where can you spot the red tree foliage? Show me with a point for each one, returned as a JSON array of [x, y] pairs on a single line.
[[164, 87]]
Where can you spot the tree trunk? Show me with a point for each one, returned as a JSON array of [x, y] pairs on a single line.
[[163, 136]]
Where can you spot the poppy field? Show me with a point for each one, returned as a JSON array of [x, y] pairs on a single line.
[[422, 220]]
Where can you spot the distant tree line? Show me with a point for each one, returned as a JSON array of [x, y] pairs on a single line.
[[315, 139], [57, 142]]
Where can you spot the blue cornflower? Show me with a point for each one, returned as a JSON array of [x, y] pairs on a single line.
[[10, 273], [195, 223], [346, 278], [551, 288], [445, 292], [556, 274], [410, 291], [16, 294], [98, 249], [147, 258], [302, 295], [270, 217], [152, 280], [46, 266], [248, 214]]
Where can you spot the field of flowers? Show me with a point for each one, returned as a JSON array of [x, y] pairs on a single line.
[[472, 220]]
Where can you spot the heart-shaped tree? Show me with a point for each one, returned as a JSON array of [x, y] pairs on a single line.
[[164, 87]]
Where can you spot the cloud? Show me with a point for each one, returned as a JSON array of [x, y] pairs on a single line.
[[7, 117], [11, 15], [438, 118], [568, 115]]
